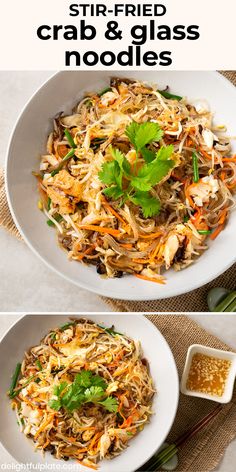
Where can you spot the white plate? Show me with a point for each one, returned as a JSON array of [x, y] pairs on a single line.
[[31, 328], [61, 93]]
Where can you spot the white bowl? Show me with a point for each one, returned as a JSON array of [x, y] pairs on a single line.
[[31, 328], [220, 354], [61, 93]]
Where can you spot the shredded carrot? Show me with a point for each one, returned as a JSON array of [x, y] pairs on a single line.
[[151, 235], [127, 423], [223, 216], [142, 261], [44, 425], [94, 440], [216, 232], [222, 175], [204, 153], [229, 159], [101, 229], [127, 245], [94, 467], [86, 428], [232, 185], [86, 252], [111, 209], [150, 279], [46, 444]]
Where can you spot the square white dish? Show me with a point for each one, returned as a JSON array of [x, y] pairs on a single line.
[[212, 352]]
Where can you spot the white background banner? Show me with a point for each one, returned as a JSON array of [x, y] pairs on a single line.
[[135, 47]]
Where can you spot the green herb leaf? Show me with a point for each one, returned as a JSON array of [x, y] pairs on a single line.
[[110, 173], [93, 394], [55, 404], [149, 204], [113, 192], [122, 161], [110, 404], [148, 155], [144, 133], [84, 379], [58, 389], [152, 173]]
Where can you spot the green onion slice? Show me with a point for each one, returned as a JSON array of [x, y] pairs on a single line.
[[70, 139], [170, 95], [204, 231], [105, 90], [195, 168], [15, 378], [66, 158]]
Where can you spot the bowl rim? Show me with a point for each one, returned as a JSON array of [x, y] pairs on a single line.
[[174, 292], [108, 315]]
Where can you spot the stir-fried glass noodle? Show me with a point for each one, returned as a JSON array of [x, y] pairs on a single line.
[[84, 392], [136, 180]]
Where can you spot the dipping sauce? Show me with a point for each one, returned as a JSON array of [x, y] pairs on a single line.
[[208, 374]]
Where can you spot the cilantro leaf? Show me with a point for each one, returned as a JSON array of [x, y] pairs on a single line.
[[141, 134], [110, 173], [149, 204], [165, 152], [93, 394], [55, 404], [58, 389], [73, 398], [131, 131], [122, 160], [84, 379], [110, 404], [113, 192], [152, 173], [99, 381], [148, 155]]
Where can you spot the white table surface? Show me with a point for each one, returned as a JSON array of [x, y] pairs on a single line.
[[217, 324], [26, 284]]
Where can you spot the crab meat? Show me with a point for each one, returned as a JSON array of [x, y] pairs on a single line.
[[73, 349], [206, 188], [174, 242], [109, 97], [209, 138], [112, 387], [64, 181], [105, 443], [33, 415], [60, 188]]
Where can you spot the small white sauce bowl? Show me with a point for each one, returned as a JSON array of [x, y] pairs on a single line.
[[218, 353]]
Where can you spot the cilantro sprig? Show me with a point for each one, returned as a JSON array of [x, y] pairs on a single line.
[[124, 183], [86, 388]]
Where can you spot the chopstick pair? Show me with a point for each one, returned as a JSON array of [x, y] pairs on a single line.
[[168, 452]]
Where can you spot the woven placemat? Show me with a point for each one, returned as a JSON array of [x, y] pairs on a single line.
[[204, 451], [192, 301]]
